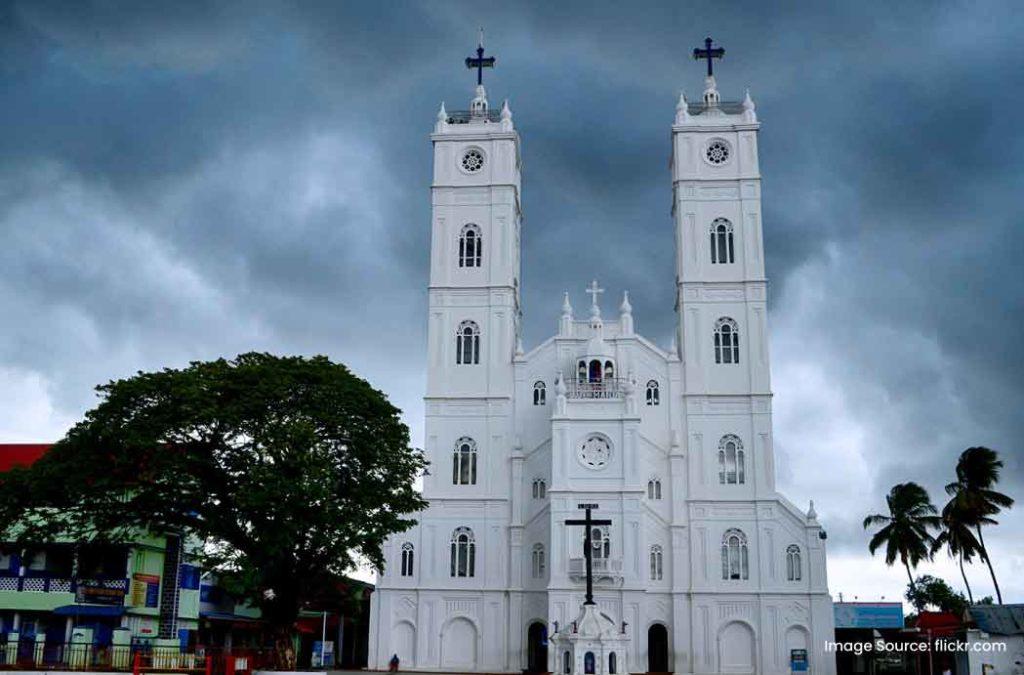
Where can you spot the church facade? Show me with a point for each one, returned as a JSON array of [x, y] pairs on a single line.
[[704, 567]]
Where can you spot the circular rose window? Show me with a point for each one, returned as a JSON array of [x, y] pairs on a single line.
[[473, 161], [717, 152], [595, 453]]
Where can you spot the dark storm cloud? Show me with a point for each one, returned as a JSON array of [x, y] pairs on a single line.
[[189, 180]]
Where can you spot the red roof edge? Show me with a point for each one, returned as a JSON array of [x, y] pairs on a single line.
[[21, 454]]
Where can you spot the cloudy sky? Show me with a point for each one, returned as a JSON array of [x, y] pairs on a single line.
[[188, 180]]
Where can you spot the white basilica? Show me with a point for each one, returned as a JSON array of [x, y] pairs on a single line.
[[705, 568]]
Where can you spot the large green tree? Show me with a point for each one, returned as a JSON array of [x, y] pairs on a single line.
[[974, 499], [905, 530], [290, 470], [929, 591]]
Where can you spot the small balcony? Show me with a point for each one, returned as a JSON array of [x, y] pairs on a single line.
[[50, 584], [603, 389], [606, 570]]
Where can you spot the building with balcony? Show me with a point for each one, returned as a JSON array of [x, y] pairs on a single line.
[[62, 591]]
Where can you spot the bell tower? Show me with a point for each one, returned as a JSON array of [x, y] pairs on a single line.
[[474, 258]]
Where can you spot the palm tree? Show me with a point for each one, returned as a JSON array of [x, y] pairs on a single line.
[[905, 530], [973, 497], [958, 539]]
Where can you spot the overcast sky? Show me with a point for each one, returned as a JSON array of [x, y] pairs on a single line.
[[189, 180]]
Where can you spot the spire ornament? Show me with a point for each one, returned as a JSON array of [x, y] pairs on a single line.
[[682, 109], [749, 114]]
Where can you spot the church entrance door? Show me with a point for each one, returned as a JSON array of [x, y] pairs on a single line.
[[657, 649], [537, 648]]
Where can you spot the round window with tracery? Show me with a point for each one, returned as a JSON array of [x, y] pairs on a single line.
[[473, 161], [717, 152]]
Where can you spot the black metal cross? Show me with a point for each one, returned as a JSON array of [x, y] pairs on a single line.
[[708, 53], [588, 523], [480, 62]]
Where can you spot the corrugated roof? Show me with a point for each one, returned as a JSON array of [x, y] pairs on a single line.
[[999, 619]]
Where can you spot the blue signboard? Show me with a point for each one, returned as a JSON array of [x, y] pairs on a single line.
[[798, 660], [868, 614]]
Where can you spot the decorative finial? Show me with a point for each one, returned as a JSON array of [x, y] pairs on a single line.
[[682, 109], [519, 346], [811, 513], [506, 113], [442, 114], [625, 307], [594, 291], [566, 306], [749, 115]]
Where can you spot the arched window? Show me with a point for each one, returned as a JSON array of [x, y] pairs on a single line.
[[407, 559], [539, 393], [467, 343], [540, 488], [588, 663], [566, 663], [470, 246], [464, 462], [463, 553], [731, 461], [656, 563], [609, 370], [581, 371], [653, 395], [734, 556], [601, 543], [793, 566], [721, 242], [538, 561], [595, 371], [727, 341], [654, 488], [612, 665]]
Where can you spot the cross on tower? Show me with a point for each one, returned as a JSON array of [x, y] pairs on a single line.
[[588, 523], [480, 62], [594, 291], [708, 53]]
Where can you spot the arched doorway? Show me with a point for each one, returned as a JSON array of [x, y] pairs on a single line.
[[736, 648], [657, 649], [537, 648], [458, 645]]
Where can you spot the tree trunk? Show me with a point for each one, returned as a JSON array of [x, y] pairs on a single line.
[[970, 596], [913, 587], [984, 554], [284, 650]]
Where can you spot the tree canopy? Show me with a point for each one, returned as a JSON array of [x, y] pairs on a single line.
[[289, 470]]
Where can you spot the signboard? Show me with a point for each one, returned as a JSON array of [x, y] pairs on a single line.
[[94, 592], [323, 654], [798, 660], [146, 590], [868, 614]]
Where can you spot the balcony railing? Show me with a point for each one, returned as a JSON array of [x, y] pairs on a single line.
[[49, 584], [467, 116], [606, 569], [609, 387]]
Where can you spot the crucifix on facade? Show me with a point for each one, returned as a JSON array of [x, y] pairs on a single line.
[[588, 523], [708, 53], [480, 62]]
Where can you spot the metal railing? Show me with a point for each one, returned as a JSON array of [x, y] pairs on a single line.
[[57, 584], [600, 566], [30, 654], [609, 387], [728, 107], [467, 116]]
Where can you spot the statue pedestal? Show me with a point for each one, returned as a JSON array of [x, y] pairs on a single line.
[[596, 647]]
